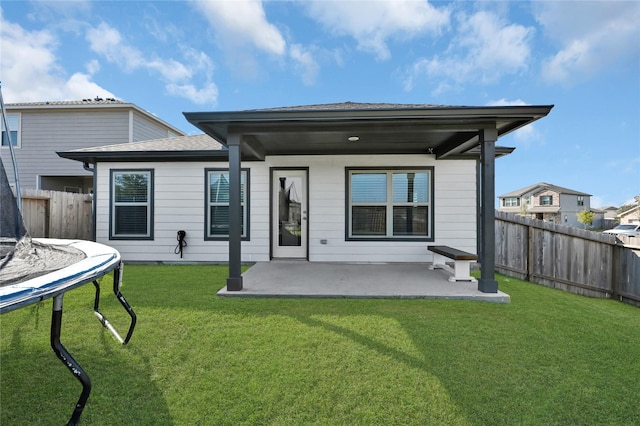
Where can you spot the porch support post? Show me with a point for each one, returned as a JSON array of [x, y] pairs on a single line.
[[487, 282], [234, 282]]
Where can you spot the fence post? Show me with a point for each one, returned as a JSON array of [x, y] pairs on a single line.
[[615, 267], [530, 252]]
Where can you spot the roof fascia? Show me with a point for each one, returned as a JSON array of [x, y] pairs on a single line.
[[145, 156], [219, 124], [524, 112]]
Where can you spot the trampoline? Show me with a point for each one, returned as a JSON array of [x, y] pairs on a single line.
[[36, 269]]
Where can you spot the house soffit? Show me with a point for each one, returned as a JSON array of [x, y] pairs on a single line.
[[444, 131]]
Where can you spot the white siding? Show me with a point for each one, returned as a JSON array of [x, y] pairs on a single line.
[[179, 205]]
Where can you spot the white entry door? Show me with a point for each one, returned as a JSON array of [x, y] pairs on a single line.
[[289, 216]]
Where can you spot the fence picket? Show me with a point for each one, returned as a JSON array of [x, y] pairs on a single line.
[[56, 214], [568, 258]]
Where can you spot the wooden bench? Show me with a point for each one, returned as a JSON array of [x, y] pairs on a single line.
[[461, 266]]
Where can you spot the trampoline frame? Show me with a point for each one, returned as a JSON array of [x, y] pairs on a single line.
[[100, 261]]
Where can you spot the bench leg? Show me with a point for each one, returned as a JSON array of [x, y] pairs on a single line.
[[439, 262], [462, 270]]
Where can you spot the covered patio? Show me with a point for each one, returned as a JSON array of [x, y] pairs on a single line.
[[296, 278], [355, 129]]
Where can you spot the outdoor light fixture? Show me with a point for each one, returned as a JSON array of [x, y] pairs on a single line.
[[353, 138]]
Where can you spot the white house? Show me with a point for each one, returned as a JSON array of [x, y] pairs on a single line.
[[339, 182]]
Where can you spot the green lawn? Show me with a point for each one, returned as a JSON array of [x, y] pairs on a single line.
[[548, 358]]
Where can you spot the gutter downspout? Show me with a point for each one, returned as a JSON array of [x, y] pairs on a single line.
[[88, 168]]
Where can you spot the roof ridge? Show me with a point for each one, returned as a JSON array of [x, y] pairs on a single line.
[[86, 101], [350, 105]]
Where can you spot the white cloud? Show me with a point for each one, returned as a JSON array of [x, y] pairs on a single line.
[[93, 66], [31, 72], [485, 49], [505, 102], [373, 23], [305, 63], [79, 85], [178, 76], [107, 41], [207, 94], [243, 22], [527, 135], [592, 36]]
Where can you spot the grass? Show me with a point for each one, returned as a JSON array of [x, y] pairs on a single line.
[[548, 358]]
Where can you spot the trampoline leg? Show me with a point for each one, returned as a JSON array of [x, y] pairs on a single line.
[[117, 276], [67, 360]]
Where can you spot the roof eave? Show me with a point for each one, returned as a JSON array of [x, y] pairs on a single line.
[[144, 156]]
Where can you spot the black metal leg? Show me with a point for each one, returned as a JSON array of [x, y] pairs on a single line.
[[117, 274], [67, 359]]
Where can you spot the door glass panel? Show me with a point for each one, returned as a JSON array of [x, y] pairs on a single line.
[[290, 211]]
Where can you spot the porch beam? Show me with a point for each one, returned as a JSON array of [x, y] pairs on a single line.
[[487, 282], [234, 143], [253, 148]]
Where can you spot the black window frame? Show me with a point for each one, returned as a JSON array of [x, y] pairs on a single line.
[[246, 205], [513, 202], [15, 133], [150, 206], [430, 237], [544, 197]]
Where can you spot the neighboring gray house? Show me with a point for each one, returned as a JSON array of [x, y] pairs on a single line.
[[345, 182], [547, 202], [605, 217], [39, 129]]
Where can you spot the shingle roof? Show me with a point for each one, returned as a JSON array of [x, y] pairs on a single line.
[[182, 143], [352, 106], [182, 148], [542, 186], [94, 101]]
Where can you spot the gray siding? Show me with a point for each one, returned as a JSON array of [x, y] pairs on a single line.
[[45, 132], [145, 129]]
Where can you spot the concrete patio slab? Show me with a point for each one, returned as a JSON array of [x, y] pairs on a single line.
[[355, 280]]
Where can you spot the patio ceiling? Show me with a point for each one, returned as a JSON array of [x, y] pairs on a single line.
[[447, 132]]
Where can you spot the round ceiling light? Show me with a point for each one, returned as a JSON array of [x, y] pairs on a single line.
[[353, 138]]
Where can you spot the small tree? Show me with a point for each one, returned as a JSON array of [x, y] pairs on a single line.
[[585, 217]]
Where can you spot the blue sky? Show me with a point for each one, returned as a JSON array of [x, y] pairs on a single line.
[[173, 56]]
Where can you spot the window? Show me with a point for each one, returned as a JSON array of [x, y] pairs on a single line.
[[510, 202], [14, 130], [546, 200], [131, 205], [390, 204], [217, 204], [580, 200]]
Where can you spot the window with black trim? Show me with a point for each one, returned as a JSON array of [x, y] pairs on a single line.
[[546, 200], [580, 200], [14, 131], [131, 204], [217, 204], [390, 204], [511, 202]]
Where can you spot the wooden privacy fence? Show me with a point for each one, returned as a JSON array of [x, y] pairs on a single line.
[[55, 214], [567, 258]]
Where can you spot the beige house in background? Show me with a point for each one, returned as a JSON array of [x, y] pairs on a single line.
[[630, 216], [547, 202]]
